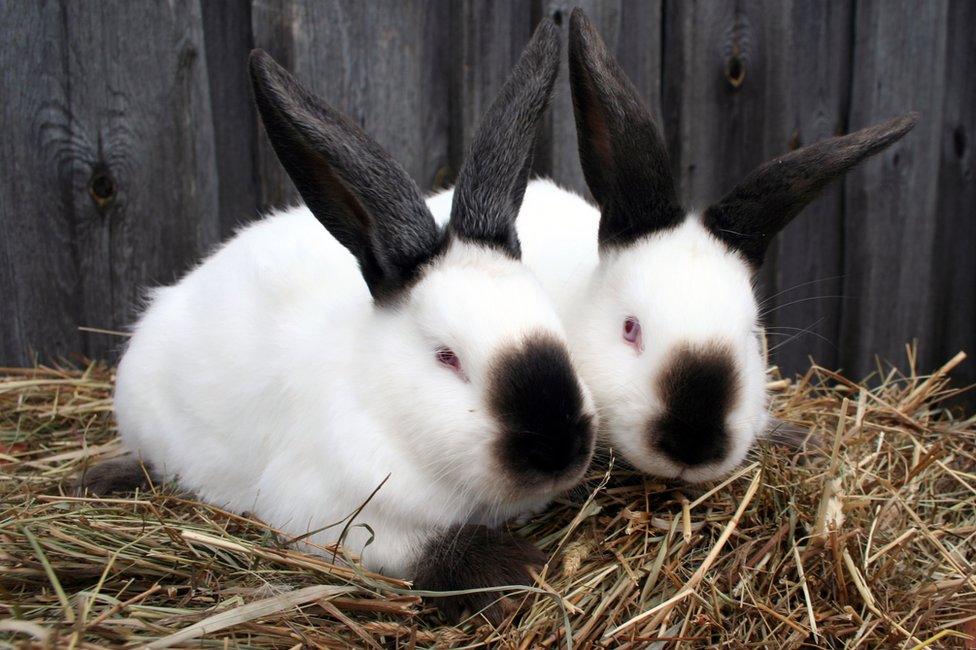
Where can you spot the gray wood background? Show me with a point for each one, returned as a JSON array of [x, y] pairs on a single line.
[[130, 147]]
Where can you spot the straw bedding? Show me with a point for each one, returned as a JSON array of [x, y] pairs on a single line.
[[861, 536]]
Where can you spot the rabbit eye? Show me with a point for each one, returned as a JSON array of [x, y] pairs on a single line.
[[447, 357], [632, 333]]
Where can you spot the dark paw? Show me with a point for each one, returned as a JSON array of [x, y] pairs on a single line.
[[476, 557], [113, 476]]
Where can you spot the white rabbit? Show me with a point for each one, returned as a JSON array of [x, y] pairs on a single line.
[[300, 368], [659, 302]]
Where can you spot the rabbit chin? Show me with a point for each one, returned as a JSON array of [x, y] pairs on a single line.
[[635, 450]]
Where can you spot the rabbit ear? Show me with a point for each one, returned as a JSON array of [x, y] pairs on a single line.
[[492, 179], [621, 149], [360, 194], [768, 199]]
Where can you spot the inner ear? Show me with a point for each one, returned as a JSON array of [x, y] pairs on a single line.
[[354, 229], [598, 141], [356, 212], [621, 149], [363, 197]]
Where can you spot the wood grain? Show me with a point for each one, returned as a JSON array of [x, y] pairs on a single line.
[[891, 201], [228, 38], [383, 64], [631, 29], [111, 127], [486, 41], [953, 290], [38, 273], [746, 82]]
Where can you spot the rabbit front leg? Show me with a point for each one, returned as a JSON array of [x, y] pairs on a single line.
[[476, 557]]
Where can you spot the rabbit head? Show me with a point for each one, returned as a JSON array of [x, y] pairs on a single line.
[[668, 335], [463, 356]]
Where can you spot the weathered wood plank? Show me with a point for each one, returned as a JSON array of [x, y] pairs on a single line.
[[632, 31], [743, 83], [112, 120], [891, 201], [272, 28], [954, 286], [228, 39], [38, 275], [806, 260], [486, 39], [384, 64]]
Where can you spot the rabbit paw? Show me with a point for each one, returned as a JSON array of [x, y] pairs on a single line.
[[117, 475], [476, 557]]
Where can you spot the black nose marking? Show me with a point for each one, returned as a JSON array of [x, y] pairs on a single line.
[[698, 388], [535, 396]]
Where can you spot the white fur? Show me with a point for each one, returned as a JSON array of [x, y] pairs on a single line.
[[684, 285], [268, 381]]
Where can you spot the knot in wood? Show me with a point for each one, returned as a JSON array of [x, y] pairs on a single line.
[[101, 186], [735, 70]]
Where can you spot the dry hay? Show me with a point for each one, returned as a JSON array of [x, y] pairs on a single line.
[[865, 538]]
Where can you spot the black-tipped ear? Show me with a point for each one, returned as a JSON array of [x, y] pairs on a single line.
[[768, 199], [621, 149], [492, 179], [354, 188]]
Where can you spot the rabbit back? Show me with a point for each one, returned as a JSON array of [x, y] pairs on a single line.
[[237, 365], [557, 229]]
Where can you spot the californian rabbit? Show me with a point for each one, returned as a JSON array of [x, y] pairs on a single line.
[[349, 346], [659, 301]]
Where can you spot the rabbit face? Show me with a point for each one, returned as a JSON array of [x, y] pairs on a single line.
[[668, 343], [496, 406]]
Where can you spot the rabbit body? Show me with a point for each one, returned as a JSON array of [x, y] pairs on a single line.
[[268, 381]]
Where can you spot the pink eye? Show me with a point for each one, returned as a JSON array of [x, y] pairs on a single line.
[[632, 333], [446, 357]]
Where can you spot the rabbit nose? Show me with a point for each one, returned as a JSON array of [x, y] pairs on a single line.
[[554, 453], [698, 388], [537, 399], [700, 447]]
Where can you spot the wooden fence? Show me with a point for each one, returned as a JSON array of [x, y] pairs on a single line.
[[129, 145]]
